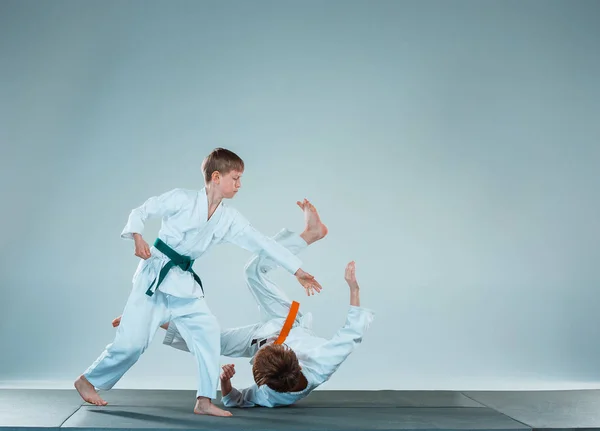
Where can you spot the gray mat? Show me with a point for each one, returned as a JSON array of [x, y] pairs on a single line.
[[318, 399], [32, 408], [546, 409], [317, 419], [324, 399], [322, 411], [149, 398]]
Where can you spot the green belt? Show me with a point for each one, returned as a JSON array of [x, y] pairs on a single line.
[[183, 262]]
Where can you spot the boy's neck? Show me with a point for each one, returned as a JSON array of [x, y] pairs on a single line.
[[213, 196]]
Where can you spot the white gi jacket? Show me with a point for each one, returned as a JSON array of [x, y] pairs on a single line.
[[186, 230]]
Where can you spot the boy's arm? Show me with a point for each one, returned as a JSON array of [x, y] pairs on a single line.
[[251, 396], [243, 234], [327, 358], [163, 205]]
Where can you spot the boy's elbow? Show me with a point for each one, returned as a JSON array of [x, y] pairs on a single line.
[[228, 403]]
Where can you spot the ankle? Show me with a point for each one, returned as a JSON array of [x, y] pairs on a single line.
[[309, 237]]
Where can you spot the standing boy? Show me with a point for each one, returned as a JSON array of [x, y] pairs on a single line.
[[165, 287]]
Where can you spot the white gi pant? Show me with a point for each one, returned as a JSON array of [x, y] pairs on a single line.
[[141, 319], [273, 306]]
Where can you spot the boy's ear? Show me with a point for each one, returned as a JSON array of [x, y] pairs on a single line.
[[216, 177]]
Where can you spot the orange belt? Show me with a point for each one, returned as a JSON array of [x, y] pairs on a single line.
[[289, 322]]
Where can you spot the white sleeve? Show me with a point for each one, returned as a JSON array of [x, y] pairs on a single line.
[[157, 206], [252, 396], [174, 339], [327, 358], [242, 234]]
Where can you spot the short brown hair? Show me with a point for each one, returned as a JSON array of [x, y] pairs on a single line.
[[277, 367], [222, 160]]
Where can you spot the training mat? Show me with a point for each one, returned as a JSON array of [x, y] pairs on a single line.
[[546, 409]]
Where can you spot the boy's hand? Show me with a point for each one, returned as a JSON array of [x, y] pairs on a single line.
[[308, 282], [228, 372], [350, 275], [141, 246], [226, 375]]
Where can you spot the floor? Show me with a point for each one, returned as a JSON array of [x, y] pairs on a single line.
[[323, 410]]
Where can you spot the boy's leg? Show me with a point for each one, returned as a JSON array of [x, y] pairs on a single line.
[[199, 329], [235, 342], [272, 302], [141, 318]]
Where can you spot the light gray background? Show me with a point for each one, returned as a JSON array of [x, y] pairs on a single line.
[[452, 147]]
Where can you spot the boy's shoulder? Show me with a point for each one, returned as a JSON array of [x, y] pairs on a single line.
[[183, 193], [179, 198]]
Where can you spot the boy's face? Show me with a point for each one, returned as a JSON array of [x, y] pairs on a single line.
[[230, 183]]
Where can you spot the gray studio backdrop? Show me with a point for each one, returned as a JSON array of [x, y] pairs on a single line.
[[452, 147]]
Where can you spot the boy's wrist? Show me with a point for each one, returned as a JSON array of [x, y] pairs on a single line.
[[355, 297], [353, 286], [225, 387]]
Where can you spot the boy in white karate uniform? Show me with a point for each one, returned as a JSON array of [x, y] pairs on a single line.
[[286, 373], [165, 287]]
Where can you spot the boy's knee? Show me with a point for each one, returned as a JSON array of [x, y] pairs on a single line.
[[129, 347], [258, 265]]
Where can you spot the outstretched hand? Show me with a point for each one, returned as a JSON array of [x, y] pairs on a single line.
[[308, 282], [350, 276]]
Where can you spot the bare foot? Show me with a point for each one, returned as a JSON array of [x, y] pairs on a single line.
[[314, 229], [87, 392], [205, 407]]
